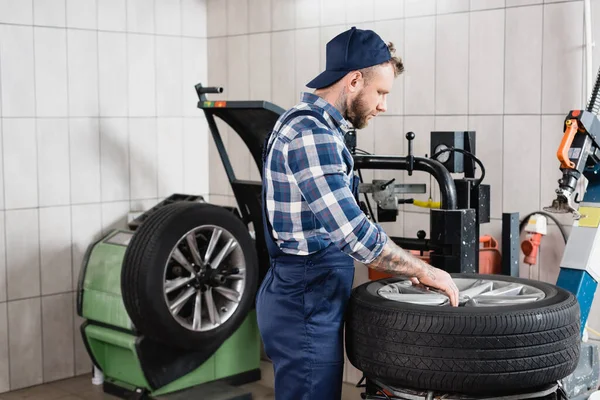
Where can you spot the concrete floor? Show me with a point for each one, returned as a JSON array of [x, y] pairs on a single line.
[[81, 388]]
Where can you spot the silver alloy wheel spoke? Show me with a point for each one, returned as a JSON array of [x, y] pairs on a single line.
[[180, 258], [180, 301], [193, 245], [175, 284], [476, 289], [472, 293], [228, 293], [225, 251], [235, 277], [512, 289], [214, 239], [197, 323], [213, 313]]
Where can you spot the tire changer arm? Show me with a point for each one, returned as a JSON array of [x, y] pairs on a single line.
[[579, 154]]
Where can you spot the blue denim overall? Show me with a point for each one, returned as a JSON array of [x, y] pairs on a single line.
[[300, 309]]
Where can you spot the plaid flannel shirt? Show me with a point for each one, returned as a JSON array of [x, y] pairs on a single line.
[[308, 177]]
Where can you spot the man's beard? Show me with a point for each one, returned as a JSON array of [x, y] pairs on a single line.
[[356, 112]]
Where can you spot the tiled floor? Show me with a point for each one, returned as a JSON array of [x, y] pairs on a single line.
[[81, 388]]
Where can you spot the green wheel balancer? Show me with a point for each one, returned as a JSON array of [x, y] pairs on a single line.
[[168, 305]]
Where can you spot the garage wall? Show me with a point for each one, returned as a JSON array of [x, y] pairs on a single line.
[[508, 69], [97, 118]]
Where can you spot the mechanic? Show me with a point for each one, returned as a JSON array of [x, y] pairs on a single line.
[[314, 227]]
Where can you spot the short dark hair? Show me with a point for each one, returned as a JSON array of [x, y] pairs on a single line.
[[395, 61]]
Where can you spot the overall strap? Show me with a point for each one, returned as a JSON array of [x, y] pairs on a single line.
[[272, 247]]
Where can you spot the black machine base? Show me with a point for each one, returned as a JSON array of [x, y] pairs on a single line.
[[376, 390], [224, 389]]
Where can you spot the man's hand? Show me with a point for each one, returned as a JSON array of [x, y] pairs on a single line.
[[396, 261]]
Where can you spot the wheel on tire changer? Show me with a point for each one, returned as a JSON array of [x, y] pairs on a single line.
[[509, 334]]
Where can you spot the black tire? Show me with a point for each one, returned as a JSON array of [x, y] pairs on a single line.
[[143, 273], [470, 350]]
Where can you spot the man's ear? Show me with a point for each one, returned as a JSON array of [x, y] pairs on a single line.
[[355, 81]]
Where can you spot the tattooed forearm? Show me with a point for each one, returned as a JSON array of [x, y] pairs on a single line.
[[397, 261]]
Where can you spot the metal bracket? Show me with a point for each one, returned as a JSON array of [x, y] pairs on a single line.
[[384, 193]]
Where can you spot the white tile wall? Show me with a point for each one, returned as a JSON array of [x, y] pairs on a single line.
[[142, 75], [20, 190], [82, 49], [389, 9], [112, 15], [193, 18], [4, 358], [524, 73], [143, 147], [168, 17], [51, 72], [140, 16], [419, 62], [283, 14], [259, 56], [259, 16], [84, 148], [57, 339], [237, 17], [452, 64], [25, 342], [112, 73], [195, 70], [22, 253], [17, 72], [283, 88], [82, 14], [414, 8], [89, 90], [170, 156], [307, 45], [16, 13], [333, 12], [114, 159], [486, 62], [53, 161], [3, 274], [521, 159], [55, 249], [559, 94], [49, 12], [168, 76]]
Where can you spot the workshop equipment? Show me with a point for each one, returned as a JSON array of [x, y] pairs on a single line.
[[133, 363], [536, 228], [465, 203], [579, 155]]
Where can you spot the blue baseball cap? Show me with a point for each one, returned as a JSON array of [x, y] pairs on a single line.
[[349, 51]]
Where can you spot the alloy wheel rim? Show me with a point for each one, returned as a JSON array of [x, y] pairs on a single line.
[[204, 278], [473, 292]]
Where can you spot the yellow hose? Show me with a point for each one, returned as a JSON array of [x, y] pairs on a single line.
[[427, 204]]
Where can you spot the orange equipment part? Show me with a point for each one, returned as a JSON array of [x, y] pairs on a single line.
[[530, 248], [490, 260], [565, 144]]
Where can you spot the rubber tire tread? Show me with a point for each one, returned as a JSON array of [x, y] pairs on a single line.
[[142, 305], [477, 353]]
